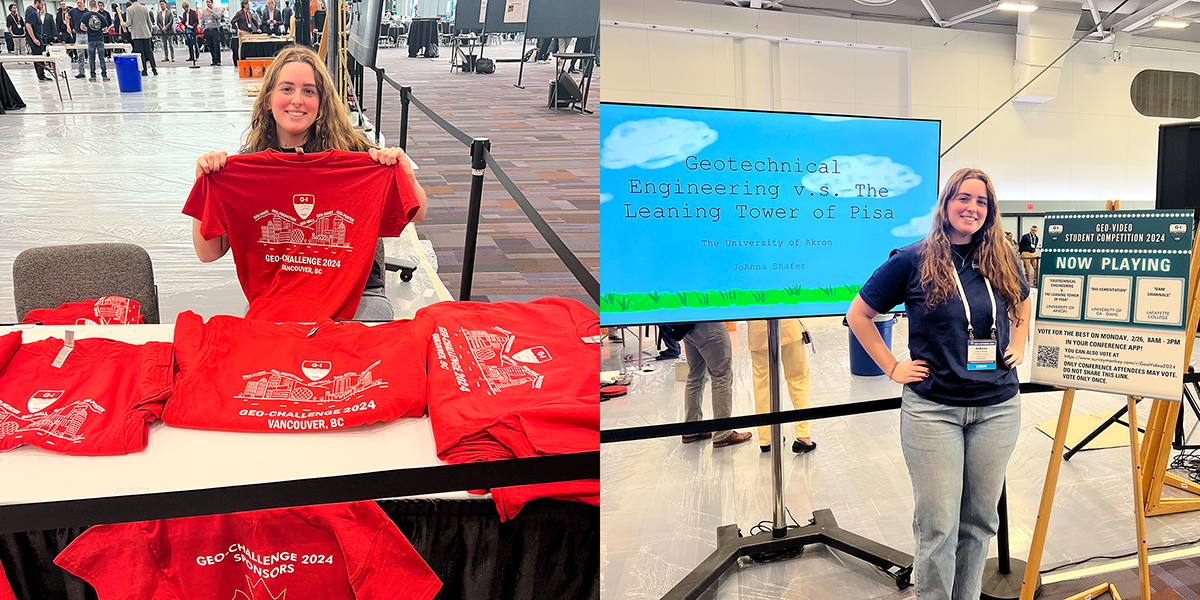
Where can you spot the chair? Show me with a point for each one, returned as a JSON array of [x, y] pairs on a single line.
[[48, 276]]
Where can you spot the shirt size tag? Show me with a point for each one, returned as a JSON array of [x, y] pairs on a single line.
[[68, 346], [592, 339], [981, 355]]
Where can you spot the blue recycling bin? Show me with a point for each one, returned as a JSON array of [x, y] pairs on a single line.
[[129, 79], [861, 363]]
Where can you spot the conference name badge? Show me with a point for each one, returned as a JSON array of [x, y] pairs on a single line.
[[981, 355]]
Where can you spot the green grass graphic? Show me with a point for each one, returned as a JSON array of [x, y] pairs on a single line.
[[637, 302]]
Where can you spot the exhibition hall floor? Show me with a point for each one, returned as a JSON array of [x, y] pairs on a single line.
[[112, 167], [662, 501]]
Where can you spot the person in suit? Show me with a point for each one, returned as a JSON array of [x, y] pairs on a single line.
[[272, 20], [140, 26], [191, 26], [1028, 247], [165, 21]]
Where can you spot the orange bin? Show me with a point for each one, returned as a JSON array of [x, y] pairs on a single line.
[[256, 68], [267, 64], [243, 68]]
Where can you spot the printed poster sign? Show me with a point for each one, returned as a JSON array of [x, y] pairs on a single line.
[[515, 11], [1112, 302]]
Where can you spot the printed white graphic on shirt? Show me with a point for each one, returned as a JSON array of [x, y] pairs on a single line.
[[327, 229], [315, 369], [63, 422], [115, 310], [43, 398], [303, 204], [253, 592], [499, 367], [284, 386]]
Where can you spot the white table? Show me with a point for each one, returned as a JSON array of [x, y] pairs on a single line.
[[58, 66]]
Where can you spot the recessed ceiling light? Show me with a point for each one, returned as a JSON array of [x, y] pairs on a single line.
[[1018, 6], [875, 2], [1171, 24]]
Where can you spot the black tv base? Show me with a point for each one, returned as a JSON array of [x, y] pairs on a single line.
[[823, 530]]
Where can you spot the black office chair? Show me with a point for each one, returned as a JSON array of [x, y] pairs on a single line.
[[48, 276]]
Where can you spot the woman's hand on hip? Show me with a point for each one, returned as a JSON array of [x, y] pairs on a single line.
[[210, 162], [1014, 355], [910, 371], [387, 156]]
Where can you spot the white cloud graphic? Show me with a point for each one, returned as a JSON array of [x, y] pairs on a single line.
[[605, 197], [877, 171], [654, 143], [917, 227]]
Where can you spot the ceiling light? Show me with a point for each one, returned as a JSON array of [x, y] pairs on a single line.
[[875, 2], [1171, 23], [1018, 6]]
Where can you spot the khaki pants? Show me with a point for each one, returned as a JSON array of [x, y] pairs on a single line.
[[795, 372], [1030, 262]]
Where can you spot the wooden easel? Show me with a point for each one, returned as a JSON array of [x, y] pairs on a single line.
[[1147, 483], [1104, 588]]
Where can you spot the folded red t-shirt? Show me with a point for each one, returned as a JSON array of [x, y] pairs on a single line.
[[101, 401], [303, 227], [6, 592], [514, 380], [333, 552], [109, 310], [240, 374]]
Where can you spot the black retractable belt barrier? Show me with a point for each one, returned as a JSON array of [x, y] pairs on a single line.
[[304, 492], [479, 147]]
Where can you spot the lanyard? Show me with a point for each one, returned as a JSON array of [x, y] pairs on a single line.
[[967, 305]]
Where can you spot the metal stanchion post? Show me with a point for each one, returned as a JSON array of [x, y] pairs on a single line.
[[404, 92], [1000, 582], [779, 525], [378, 102], [478, 163]]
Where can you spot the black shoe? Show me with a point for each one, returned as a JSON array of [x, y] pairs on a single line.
[[767, 447], [44, 79], [800, 447], [666, 356], [80, 76], [143, 73], [156, 73]]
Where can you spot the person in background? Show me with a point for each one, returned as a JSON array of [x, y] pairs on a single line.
[[94, 24], [191, 26], [35, 37], [242, 24], [165, 21], [968, 312], [210, 24], [120, 32], [709, 352], [795, 374], [286, 15], [62, 26], [16, 28], [140, 27], [75, 20], [102, 8], [272, 20], [671, 352], [1028, 247]]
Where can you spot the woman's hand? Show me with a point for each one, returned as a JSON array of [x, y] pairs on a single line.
[[210, 162], [909, 372], [388, 156], [1013, 355]]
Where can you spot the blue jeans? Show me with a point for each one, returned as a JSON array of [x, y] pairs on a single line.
[[96, 52], [956, 457], [80, 55]]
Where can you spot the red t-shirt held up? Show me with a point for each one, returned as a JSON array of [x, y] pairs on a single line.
[[247, 375], [109, 310], [101, 401], [514, 380], [303, 227], [333, 552]]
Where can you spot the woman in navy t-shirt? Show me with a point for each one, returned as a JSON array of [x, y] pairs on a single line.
[[961, 408]]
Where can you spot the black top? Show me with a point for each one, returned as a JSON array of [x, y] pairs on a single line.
[[16, 25], [1029, 243], [95, 23], [77, 19]]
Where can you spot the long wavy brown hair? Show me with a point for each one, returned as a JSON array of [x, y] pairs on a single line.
[[332, 127], [992, 252]]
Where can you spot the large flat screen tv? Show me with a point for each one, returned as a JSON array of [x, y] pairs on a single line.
[[723, 215]]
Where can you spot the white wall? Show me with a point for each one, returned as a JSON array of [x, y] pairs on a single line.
[[1086, 144]]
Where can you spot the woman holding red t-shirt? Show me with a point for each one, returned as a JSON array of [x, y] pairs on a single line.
[[299, 111]]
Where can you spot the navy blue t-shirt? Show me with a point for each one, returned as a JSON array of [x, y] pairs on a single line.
[[95, 23], [939, 336], [77, 16]]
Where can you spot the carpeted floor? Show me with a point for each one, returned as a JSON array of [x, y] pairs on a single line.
[[1169, 580], [553, 158]]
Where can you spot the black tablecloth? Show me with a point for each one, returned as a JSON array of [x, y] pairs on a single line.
[[9, 98], [265, 49], [422, 33]]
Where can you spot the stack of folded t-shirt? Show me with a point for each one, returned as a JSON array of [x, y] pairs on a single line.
[[247, 375], [513, 380], [109, 310], [98, 399]]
